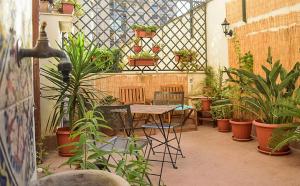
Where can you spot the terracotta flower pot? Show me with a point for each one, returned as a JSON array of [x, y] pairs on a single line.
[[264, 133], [177, 58], [223, 125], [142, 62], [205, 104], [144, 34], [155, 49], [67, 8], [63, 137], [137, 48], [241, 130]]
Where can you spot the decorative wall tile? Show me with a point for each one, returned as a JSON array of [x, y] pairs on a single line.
[[17, 146]]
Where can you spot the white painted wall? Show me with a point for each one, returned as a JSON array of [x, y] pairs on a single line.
[[217, 45]]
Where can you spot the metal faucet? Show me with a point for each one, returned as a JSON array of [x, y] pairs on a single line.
[[43, 50]]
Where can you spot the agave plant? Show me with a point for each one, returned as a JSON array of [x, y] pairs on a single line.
[[79, 91], [273, 98]]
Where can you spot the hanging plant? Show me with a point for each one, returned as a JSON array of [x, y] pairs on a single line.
[[143, 59], [187, 59], [144, 31]]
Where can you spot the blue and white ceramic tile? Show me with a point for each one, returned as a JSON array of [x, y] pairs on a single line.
[[17, 148]]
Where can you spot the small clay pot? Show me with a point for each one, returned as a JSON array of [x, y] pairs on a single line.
[[67, 8], [137, 48], [223, 125], [241, 130], [155, 49]]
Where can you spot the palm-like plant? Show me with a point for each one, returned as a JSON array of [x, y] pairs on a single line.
[[273, 98], [79, 91]]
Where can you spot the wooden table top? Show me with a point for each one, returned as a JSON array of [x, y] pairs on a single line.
[[151, 109]]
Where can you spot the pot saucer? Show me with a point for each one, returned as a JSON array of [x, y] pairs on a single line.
[[242, 140], [274, 153]]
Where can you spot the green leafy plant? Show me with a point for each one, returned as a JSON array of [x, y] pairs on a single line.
[[221, 110], [78, 10], [130, 165], [108, 59], [79, 91], [41, 152], [187, 59], [147, 28], [144, 55], [87, 154], [285, 135], [273, 98], [236, 88]]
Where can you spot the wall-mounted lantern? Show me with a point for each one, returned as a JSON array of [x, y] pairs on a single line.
[[227, 31]]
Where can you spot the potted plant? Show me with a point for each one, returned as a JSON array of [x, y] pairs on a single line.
[[71, 99], [136, 47], [143, 59], [156, 48], [210, 81], [186, 59], [144, 31], [272, 98], [221, 111], [69, 7], [241, 123]]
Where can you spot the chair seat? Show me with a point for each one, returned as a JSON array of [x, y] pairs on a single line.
[[121, 144], [183, 107], [157, 126]]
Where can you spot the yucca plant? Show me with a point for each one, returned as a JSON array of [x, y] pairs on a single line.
[[71, 99], [272, 98]]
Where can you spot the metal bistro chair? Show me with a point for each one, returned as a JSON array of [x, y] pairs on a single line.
[[120, 119], [167, 98]]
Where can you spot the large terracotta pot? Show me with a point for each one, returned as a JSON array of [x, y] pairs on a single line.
[[205, 104], [82, 178], [241, 130], [264, 133], [63, 137], [67, 8], [144, 34], [223, 125]]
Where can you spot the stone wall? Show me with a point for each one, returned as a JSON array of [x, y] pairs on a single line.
[[17, 146]]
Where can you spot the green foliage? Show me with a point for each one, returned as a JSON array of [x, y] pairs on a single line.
[[198, 105], [79, 90], [147, 28], [108, 60], [274, 99], [144, 55], [187, 59], [221, 109], [41, 152], [284, 135], [130, 165], [133, 170], [87, 154]]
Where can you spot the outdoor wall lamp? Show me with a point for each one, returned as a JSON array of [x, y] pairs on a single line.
[[227, 31]]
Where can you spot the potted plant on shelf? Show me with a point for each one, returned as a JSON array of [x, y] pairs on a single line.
[[136, 47], [69, 7], [187, 59], [144, 31], [272, 99], [221, 111], [156, 48], [143, 59], [71, 99], [44, 6], [241, 123]]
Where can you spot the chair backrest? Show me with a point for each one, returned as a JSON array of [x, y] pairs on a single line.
[[118, 118], [168, 98], [172, 88], [132, 95]]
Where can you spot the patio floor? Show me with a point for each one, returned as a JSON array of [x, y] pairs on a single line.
[[213, 158]]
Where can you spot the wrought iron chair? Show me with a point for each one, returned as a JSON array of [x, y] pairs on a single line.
[[120, 119], [167, 98]]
